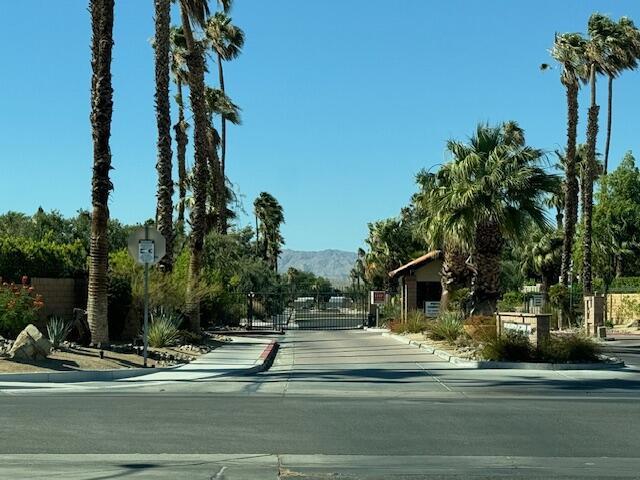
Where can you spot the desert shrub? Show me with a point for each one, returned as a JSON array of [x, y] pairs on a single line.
[[164, 329], [510, 347], [568, 348], [40, 258], [19, 305], [448, 326], [480, 328], [58, 329], [458, 300], [511, 301], [187, 337], [391, 310], [416, 322]]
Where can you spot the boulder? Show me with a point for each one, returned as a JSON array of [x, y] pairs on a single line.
[[30, 345]]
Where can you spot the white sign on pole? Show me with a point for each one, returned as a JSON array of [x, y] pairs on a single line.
[[146, 249], [144, 252]]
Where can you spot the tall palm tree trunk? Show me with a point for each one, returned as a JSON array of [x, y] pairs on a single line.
[[571, 183], [609, 110], [485, 287], [223, 152], [101, 112], [182, 139], [195, 63], [164, 209], [587, 196], [452, 274], [217, 183]]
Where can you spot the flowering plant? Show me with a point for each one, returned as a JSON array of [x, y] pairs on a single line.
[[19, 305]]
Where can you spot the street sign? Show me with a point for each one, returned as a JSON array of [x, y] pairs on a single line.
[[147, 245], [378, 297]]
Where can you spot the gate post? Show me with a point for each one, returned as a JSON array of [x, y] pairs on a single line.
[[250, 311]]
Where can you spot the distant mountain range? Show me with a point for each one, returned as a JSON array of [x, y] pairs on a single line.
[[332, 264]]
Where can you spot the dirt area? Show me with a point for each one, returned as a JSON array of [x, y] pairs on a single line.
[[86, 358], [441, 345]]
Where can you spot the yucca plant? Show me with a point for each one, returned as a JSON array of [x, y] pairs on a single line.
[[164, 329], [448, 326], [58, 329]]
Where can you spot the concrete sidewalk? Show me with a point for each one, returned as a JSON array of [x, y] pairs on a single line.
[[242, 356]]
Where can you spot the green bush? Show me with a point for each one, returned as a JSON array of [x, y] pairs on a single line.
[[511, 301], [391, 310], [448, 326], [458, 300], [58, 330], [19, 305], [164, 329], [119, 297], [40, 258], [567, 349], [510, 347]]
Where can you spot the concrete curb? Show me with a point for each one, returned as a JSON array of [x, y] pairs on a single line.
[[486, 364], [264, 362], [80, 375]]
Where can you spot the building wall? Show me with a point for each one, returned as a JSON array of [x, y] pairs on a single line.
[[618, 310], [429, 272]]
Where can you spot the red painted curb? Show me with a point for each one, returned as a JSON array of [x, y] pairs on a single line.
[[269, 348]]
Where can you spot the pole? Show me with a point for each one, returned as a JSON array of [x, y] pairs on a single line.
[[146, 302]]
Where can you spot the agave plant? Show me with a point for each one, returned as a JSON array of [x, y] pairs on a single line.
[[58, 329], [164, 328]]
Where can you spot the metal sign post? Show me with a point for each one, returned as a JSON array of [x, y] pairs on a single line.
[[147, 246]]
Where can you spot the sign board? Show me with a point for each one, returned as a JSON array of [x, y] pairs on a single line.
[[517, 327], [147, 245], [146, 249], [378, 297]]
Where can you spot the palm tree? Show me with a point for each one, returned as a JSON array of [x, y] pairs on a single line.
[[490, 190], [454, 273], [164, 209], [181, 127], [569, 50], [227, 41], [101, 112], [600, 47], [269, 217], [542, 255], [219, 104], [196, 11], [624, 56]]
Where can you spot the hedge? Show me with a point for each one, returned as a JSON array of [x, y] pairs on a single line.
[[40, 258]]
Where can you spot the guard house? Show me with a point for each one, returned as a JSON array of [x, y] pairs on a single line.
[[420, 287]]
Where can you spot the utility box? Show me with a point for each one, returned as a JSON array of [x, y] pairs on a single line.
[[593, 314], [535, 326]]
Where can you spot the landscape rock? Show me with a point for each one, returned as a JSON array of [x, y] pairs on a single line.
[[30, 345]]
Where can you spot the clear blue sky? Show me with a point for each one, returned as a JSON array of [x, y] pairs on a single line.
[[343, 101]]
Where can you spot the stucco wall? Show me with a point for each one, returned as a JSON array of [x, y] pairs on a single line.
[[618, 310], [429, 272]]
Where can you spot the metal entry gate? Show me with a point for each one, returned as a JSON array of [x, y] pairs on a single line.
[[306, 311]]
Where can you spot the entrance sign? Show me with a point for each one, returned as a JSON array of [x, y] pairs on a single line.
[[147, 246], [378, 297]]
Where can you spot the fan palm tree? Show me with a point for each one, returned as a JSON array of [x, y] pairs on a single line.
[[101, 112], [196, 11], [164, 208], [490, 190], [269, 217], [624, 56], [454, 273], [227, 41], [569, 51], [219, 104], [542, 255], [181, 127], [603, 45]]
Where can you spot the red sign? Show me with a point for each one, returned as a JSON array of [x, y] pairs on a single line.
[[378, 297]]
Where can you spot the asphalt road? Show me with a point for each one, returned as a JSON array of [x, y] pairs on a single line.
[[348, 404]]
